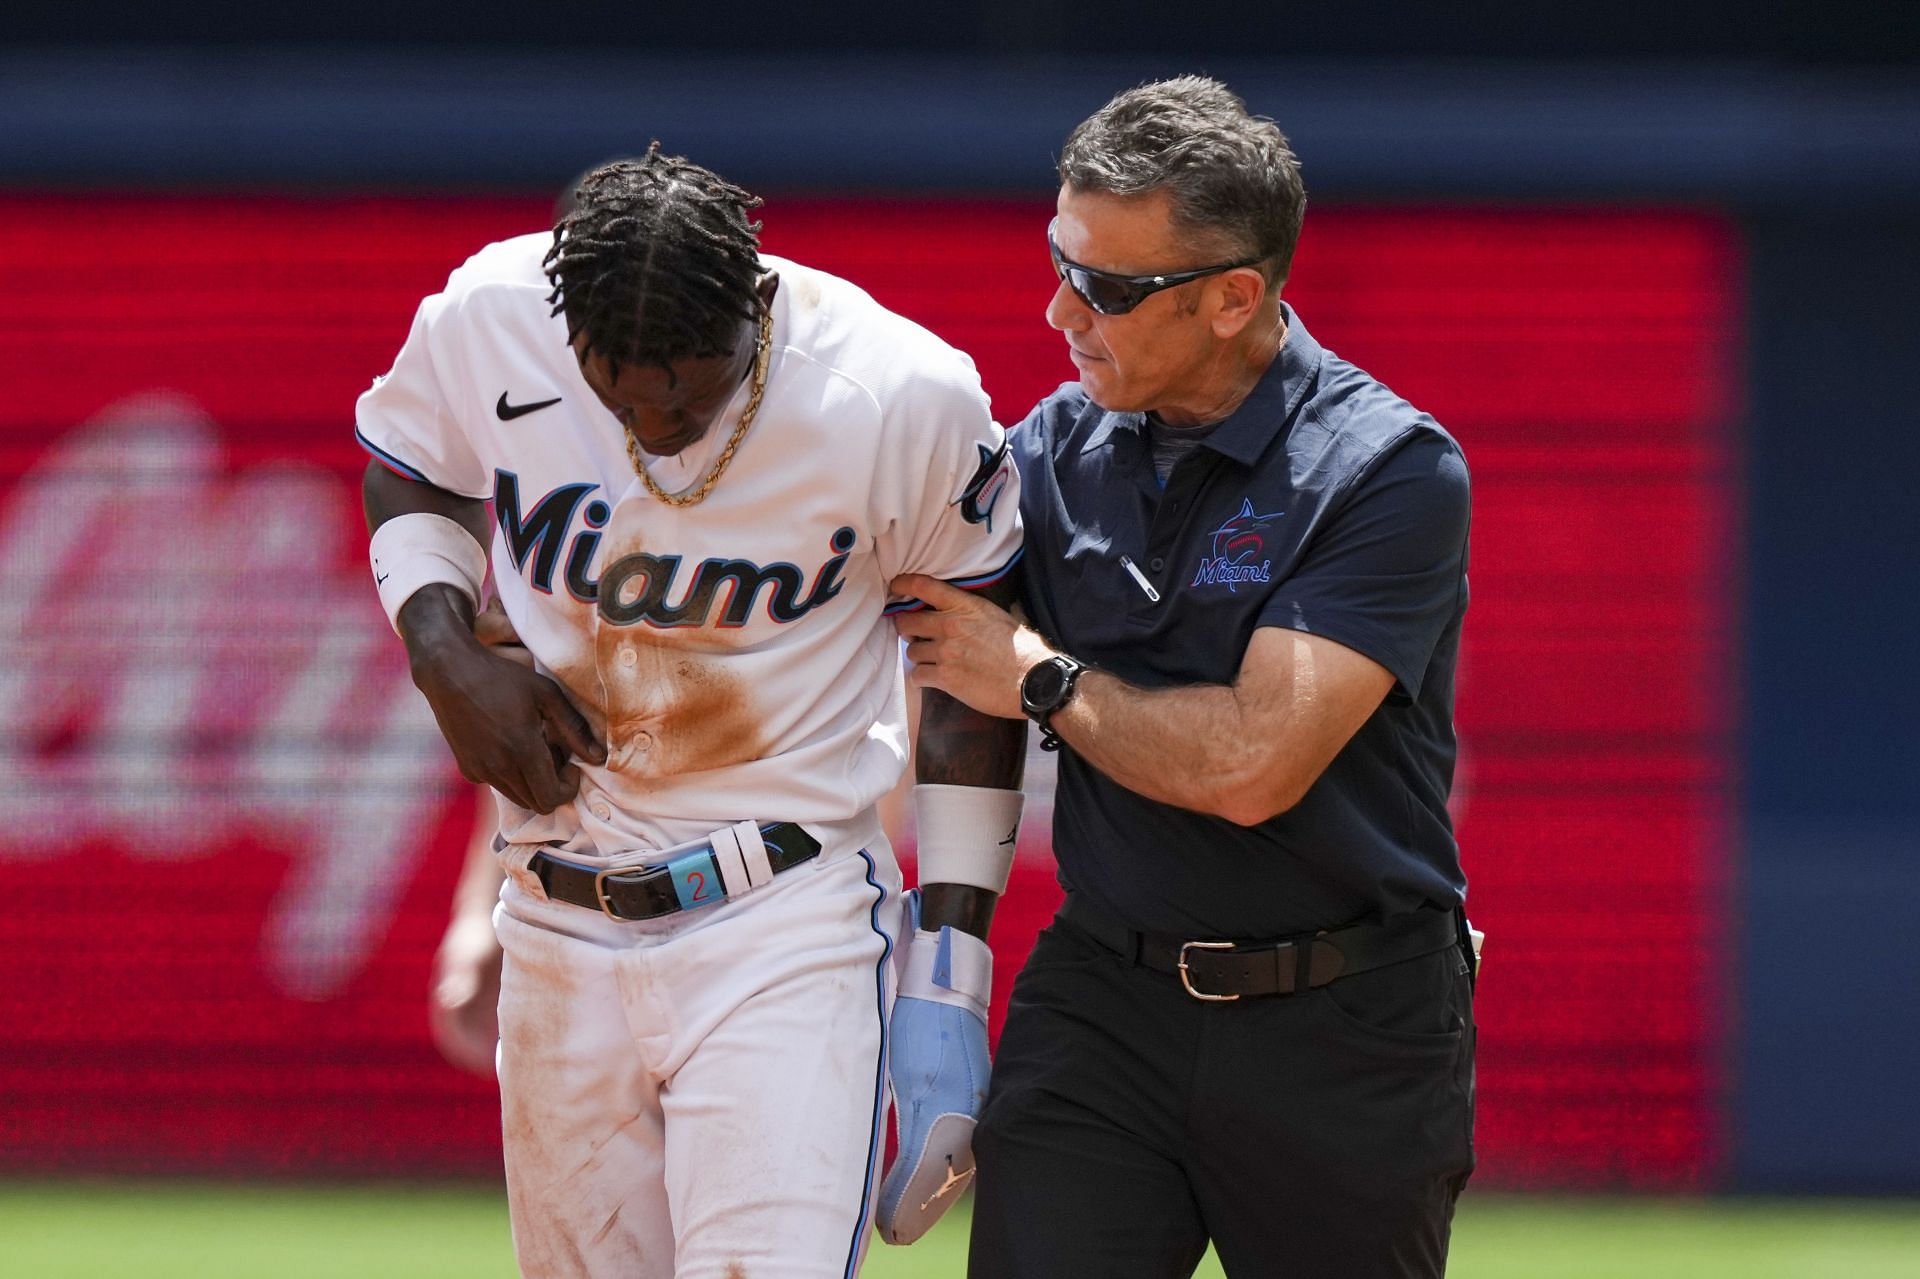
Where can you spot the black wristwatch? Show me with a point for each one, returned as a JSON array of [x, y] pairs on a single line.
[[1046, 687]]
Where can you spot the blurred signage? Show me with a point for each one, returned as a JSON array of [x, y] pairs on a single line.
[[186, 671]]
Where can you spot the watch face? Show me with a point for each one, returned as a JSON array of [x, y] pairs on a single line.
[[1044, 686]]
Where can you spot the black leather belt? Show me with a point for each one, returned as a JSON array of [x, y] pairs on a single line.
[[691, 880], [1221, 971]]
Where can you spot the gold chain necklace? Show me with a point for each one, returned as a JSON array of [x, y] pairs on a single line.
[[762, 357]]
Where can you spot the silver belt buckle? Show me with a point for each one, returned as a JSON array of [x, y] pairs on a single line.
[[1186, 977], [600, 878]]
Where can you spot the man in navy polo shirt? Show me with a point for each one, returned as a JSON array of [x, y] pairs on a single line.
[[1252, 1021]]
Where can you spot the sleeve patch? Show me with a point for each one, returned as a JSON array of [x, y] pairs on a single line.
[[989, 481]]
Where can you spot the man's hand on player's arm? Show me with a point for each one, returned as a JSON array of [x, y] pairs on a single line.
[[507, 726], [968, 767], [969, 646], [1244, 751]]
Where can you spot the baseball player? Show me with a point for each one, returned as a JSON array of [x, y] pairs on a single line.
[[705, 464]]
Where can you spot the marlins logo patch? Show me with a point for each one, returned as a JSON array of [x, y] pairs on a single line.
[[1238, 551], [984, 489]]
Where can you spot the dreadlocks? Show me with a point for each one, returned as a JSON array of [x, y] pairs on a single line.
[[655, 261]]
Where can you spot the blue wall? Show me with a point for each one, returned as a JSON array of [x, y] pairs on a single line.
[[1829, 1090], [1714, 132], [1058, 31]]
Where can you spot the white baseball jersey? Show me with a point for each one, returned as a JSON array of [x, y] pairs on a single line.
[[735, 654]]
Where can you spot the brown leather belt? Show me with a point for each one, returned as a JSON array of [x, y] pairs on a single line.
[[1223, 971]]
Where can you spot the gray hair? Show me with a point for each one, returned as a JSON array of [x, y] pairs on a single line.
[[1230, 176]]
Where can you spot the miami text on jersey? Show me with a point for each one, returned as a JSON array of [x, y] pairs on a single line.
[[637, 588]]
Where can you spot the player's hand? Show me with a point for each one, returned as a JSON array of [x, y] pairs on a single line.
[[967, 647], [937, 1062], [508, 726], [464, 1004]]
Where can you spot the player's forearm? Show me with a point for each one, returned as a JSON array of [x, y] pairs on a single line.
[[437, 626], [960, 906], [958, 746]]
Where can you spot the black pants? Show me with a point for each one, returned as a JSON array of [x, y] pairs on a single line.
[[1310, 1136]]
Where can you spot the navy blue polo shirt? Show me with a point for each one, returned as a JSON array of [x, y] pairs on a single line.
[[1324, 504]]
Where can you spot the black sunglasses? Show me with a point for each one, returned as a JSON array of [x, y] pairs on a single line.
[[1111, 294]]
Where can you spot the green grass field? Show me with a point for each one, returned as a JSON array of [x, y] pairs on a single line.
[[197, 1231]]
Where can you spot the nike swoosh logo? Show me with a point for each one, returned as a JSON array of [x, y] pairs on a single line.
[[507, 412]]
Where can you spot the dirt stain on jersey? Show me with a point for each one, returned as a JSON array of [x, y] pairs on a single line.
[[549, 1253], [607, 1229], [669, 710]]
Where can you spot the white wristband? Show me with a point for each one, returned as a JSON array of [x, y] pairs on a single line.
[[967, 834], [413, 550], [949, 967]]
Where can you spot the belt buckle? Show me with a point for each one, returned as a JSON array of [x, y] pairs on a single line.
[[600, 891], [1186, 979]]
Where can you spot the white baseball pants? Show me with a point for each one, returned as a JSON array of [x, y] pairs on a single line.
[[701, 1096]]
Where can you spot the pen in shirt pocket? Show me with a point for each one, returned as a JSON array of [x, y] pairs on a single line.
[[1133, 571]]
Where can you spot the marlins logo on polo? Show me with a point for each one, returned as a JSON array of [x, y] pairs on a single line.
[[984, 489], [1238, 551]]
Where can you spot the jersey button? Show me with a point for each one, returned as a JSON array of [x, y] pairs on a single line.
[[627, 656], [602, 812], [643, 741], [1156, 563]]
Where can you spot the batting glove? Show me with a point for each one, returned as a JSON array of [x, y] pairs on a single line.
[[938, 1065]]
